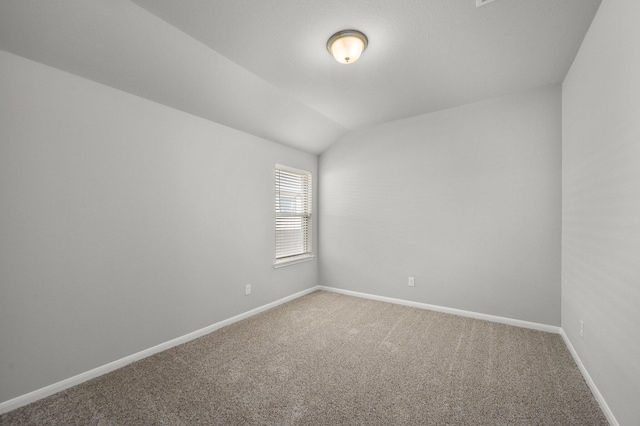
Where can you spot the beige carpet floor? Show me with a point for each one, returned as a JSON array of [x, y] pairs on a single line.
[[330, 359]]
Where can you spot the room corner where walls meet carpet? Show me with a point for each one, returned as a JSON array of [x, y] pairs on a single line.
[[328, 358]]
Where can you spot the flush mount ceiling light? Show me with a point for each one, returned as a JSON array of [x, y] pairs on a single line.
[[347, 46]]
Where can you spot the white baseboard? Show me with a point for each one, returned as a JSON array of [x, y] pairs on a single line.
[[460, 312], [30, 397], [594, 389], [509, 321]]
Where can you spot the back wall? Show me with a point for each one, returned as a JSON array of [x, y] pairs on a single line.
[[466, 200]]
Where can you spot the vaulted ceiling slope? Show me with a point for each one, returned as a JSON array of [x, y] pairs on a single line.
[[262, 66]]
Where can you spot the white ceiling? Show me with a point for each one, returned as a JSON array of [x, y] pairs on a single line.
[[262, 66]]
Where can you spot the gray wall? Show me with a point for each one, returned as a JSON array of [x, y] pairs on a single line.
[[123, 224], [466, 200], [601, 205]]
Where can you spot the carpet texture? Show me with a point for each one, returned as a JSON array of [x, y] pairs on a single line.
[[330, 359]]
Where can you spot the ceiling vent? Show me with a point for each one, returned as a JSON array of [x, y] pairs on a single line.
[[483, 2]]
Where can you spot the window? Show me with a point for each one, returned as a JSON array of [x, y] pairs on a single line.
[[293, 215]]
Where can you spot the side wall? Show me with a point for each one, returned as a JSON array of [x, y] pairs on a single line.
[[466, 200], [601, 206], [124, 224]]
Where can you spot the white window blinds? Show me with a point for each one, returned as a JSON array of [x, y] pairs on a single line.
[[293, 212]]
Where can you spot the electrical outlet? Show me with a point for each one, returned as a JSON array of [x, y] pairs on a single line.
[[582, 329], [412, 282], [247, 289]]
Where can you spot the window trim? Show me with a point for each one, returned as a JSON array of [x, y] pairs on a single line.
[[293, 260], [309, 255]]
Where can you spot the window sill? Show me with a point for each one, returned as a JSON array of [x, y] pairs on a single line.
[[293, 260]]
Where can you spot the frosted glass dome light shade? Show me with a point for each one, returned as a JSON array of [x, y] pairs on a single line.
[[347, 46]]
